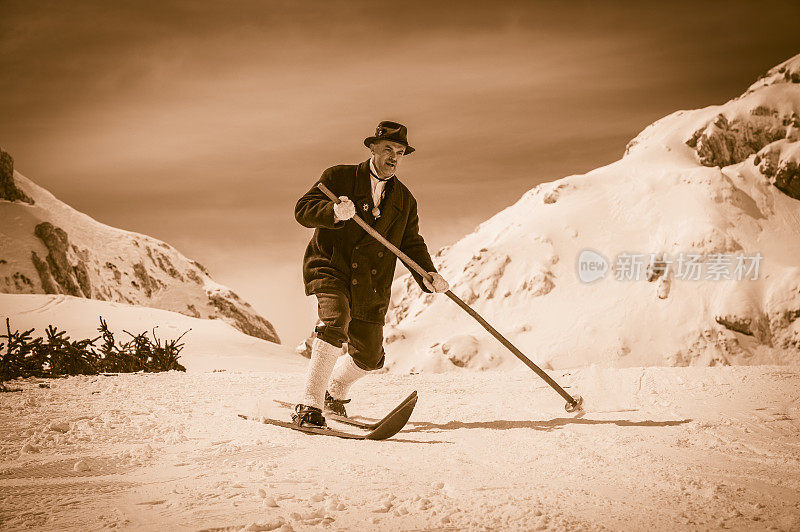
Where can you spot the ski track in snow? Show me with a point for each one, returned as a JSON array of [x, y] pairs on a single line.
[[49, 304], [658, 449]]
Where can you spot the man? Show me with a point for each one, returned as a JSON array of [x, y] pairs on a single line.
[[351, 273]]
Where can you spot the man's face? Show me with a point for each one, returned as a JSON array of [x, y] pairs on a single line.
[[387, 155]]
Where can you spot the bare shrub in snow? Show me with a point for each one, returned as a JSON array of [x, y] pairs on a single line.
[[23, 355]]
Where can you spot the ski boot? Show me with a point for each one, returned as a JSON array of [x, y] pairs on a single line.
[[308, 416], [335, 406]]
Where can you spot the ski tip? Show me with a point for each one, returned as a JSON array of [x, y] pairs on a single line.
[[411, 397]]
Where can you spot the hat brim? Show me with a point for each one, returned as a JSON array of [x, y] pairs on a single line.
[[370, 140]]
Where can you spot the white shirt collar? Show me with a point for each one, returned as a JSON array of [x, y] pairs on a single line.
[[374, 171], [377, 186]]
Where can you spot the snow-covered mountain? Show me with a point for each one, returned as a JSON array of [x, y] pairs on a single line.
[[713, 192], [47, 247]]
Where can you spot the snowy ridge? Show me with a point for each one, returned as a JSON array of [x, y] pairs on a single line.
[[720, 181], [209, 345], [49, 247]]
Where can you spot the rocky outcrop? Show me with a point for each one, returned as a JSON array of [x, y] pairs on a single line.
[[787, 72], [146, 282], [784, 324], [787, 179], [462, 350], [69, 279], [780, 163], [49, 284], [8, 189], [538, 284], [763, 132], [247, 322], [746, 325], [724, 142], [709, 348], [164, 264], [775, 328]]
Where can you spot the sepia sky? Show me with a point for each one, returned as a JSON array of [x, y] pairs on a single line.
[[201, 123]]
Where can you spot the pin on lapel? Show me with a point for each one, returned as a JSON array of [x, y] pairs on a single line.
[[365, 206]]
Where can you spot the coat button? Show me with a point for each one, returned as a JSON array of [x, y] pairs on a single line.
[[354, 265], [373, 271], [355, 281], [380, 254]]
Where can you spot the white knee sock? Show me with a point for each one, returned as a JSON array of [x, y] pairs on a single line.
[[323, 358], [344, 375]]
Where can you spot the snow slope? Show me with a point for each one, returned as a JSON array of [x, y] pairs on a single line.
[[48, 247], [720, 182], [209, 344], [691, 448]]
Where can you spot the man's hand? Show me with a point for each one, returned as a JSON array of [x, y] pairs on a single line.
[[439, 285], [344, 210]]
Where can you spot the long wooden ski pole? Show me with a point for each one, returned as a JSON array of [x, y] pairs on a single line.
[[573, 403]]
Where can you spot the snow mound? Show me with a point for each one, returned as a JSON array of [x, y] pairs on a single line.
[[719, 184], [209, 345], [49, 247]]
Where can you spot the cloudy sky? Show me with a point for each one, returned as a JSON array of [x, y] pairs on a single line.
[[201, 123]]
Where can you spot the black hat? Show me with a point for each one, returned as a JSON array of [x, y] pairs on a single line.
[[390, 131]]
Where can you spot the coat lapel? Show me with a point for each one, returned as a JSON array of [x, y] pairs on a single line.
[[362, 193]]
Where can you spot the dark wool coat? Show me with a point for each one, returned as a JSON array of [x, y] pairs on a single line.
[[343, 257]]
